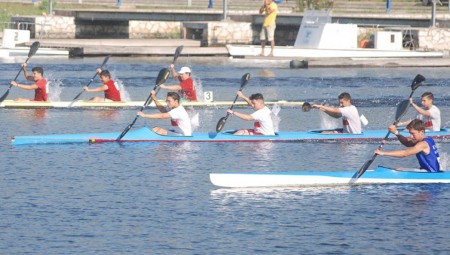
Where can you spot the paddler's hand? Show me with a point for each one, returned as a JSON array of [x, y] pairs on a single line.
[[240, 94], [318, 106], [393, 129], [24, 65], [140, 113], [99, 70], [378, 151], [153, 94], [172, 66], [230, 111], [14, 83], [85, 88]]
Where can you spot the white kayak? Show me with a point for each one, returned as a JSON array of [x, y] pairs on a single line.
[[380, 175], [127, 104]]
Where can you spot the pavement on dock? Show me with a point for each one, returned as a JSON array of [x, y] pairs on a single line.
[[166, 47]]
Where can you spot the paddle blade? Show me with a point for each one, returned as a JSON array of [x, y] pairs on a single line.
[[417, 82], [5, 95], [33, 49], [221, 124], [105, 60], [361, 171], [306, 107], [244, 80], [177, 53], [402, 108], [162, 76]]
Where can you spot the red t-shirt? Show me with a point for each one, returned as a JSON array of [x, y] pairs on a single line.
[[112, 93], [188, 89], [40, 94]]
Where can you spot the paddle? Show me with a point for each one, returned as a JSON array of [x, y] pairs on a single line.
[[91, 80], [223, 120], [162, 77], [34, 47], [401, 110], [177, 53]]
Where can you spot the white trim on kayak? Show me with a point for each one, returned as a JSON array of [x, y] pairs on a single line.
[[128, 104], [380, 175]]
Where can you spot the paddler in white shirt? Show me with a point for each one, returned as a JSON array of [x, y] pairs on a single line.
[[429, 114], [351, 122], [178, 115], [262, 116]]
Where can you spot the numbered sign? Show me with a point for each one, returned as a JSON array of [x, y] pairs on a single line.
[[208, 96]]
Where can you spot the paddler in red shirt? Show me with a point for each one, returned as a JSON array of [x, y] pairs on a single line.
[[186, 85], [40, 86], [109, 87]]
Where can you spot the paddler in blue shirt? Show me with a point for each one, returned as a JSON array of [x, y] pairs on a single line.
[[423, 147]]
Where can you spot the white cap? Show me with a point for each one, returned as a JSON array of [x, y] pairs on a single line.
[[185, 69]]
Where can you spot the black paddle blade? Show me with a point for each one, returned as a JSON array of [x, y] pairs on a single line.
[[5, 95], [417, 81], [162, 76], [402, 108], [105, 60], [361, 171], [306, 107], [244, 80], [221, 124], [33, 49], [177, 53]]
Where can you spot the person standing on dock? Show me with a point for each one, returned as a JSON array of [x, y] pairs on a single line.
[[429, 114], [423, 147], [347, 111], [186, 85], [110, 88], [40, 86], [178, 115], [268, 28], [262, 116]]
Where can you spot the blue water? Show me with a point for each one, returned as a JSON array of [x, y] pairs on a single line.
[[156, 198]]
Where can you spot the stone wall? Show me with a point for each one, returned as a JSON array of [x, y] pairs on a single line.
[[140, 29], [434, 39], [210, 33]]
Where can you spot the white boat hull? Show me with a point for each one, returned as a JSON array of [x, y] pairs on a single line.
[[380, 175], [291, 52]]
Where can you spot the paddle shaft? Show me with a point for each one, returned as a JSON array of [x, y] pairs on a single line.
[[10, 86], [147, 102], [92, 79]]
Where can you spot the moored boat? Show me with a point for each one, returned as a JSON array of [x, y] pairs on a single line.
[[380, 175], [127, 104], [146, 135]]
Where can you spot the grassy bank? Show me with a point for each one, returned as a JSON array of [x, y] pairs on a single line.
[[8, 10]]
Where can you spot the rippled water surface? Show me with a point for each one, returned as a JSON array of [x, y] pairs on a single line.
[[156, 198]]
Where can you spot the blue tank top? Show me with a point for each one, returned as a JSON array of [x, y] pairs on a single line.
[[429, 162]]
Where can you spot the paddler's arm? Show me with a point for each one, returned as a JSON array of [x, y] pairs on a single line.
[[246, 99], [155, 115], [419, 147], [160, 107], [404, 140], [332, 111], [241, 115], [419, 109]]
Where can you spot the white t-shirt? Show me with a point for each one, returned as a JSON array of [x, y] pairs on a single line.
[[180, 119], [433, 122], [350, 119], [263, 121]]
